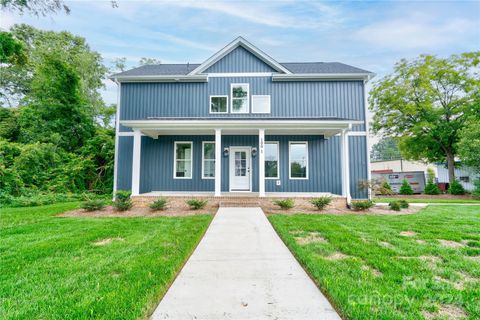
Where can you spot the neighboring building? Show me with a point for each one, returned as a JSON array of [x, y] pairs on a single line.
[[400, 165], [416, 179], [242, 122], [465, 175]]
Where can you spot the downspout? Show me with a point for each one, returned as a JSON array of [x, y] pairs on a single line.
[[117, 131], [367, 137]]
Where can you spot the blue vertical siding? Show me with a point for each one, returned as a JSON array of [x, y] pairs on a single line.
[[124, 163], [239, 60], [341, 99], [358, 165]]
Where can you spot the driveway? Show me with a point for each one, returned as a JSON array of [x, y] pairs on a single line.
[[242, 270]]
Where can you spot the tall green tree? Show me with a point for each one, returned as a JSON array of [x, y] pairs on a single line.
[[425, 103], [15, 81], [55, 110], [385, 149], [469, 144]]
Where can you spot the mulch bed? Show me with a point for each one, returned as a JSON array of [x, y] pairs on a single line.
[[134, 212], [429, 196], [378, 210]]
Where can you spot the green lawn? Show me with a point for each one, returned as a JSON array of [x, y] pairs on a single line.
[[52, 268], [370, 271], [432, 200]]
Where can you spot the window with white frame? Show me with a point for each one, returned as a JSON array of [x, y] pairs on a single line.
[[240, 97], [183, 160], [208, 160], [260, 104], [271, 160], [298, 160], [218, 104]]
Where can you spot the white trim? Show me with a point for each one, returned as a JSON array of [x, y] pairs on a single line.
[[218, 162], [250, 168], [128, 134], [357, 133], [261, 160], [289, 160], [345, 165], [117, 139], [136, 160], [321, 76], [210, 103], [230, 123], [161, 78], [239, 74], [233, 45], [203, 160], [175, 159], [231, 97], [278, 160], [262, 96], [367, 137]]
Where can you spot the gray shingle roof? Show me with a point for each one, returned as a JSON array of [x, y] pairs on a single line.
[[294, 67]]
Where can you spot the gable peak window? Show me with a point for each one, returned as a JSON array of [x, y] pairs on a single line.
[[218, 104], [240, 97]]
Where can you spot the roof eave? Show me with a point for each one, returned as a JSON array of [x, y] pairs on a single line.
[[322, 76], [160, 78]]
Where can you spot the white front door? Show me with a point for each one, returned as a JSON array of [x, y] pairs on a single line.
[[240, 169]]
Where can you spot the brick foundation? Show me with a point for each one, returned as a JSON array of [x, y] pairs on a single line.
[[178, 202]]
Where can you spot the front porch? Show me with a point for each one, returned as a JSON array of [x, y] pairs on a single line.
[[240, 145]]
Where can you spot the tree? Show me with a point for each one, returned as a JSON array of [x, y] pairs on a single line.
[[15, 81], [431, 187], [55, 111], [9, 128], [385, 149], [145, 61], [425, 103], [405, 188], [35, 7], [11, 50], [469, 145]]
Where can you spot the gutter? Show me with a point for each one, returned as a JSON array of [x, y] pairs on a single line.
[[160, 78], [322, 76]]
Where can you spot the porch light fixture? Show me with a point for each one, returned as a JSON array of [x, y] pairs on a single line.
[[225, 152], [254, 152]]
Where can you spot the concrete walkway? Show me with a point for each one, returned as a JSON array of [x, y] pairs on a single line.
[[242, 270]]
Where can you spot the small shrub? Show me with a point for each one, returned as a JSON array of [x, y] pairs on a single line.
[[395, 205], [159, 204], [93, 205], [403, 204], [406, 189], [196, 204], [285, 203], [385, 189], [456, 188], [321, 202], [122, 201], [432, 188], [361, 205], [476, 190]]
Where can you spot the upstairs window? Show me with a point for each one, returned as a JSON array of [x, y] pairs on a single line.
[[298, 158], [208, 160], [240, 94], [218, 104], [260, 104], [183, 160], [271, 160]]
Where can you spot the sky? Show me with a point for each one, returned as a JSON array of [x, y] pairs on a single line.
[[372, 35]]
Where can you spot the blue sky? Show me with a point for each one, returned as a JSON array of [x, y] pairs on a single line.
[[368, 34]]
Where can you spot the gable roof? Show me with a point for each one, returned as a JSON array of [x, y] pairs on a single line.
[[246, 45]]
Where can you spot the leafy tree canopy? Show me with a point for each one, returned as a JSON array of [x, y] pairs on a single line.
[[11, 50], [385, 149], [469, 144], [425, 103], [35, 7]]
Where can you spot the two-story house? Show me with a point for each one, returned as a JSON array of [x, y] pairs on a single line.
[[242, 122]]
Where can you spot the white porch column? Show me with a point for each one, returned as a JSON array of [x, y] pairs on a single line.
[[345, 165], [218, 162], [137, 146], [261, 164]]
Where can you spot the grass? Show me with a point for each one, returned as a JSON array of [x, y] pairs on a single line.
[[370, 271], [59, 268], [432, 200]]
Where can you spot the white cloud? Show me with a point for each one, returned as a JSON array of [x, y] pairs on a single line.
[[6, 20], [417, 33]]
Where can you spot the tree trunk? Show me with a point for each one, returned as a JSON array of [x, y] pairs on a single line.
[[451, 167]]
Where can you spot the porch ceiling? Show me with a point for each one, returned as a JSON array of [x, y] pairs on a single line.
[[155, 128]]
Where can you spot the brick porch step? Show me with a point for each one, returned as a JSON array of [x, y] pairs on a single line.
[[241, 203]]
